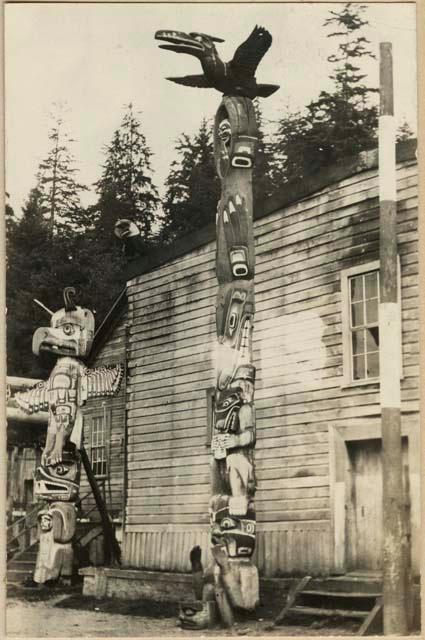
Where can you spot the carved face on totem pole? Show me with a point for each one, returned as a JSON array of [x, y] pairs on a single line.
[[234, 148], [234, 317], [45, 520], [70, 333], [60, 481], [236, 533], [234, 136]]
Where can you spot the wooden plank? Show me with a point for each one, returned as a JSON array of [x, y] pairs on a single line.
[[373, 623], [291, 598], [342, 206]]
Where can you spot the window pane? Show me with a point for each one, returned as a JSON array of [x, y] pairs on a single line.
[[98, 446], [372, 339], [372, 360], [371, 285], [358, 341], [358, 367], [356, 288], [372, 310], [357, 316]]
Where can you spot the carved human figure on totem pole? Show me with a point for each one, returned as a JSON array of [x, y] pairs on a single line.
[[232, 510], [57, 479]]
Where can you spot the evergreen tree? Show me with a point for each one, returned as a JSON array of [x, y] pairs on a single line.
[[59, 190], [126, 189], [404, 132], [10, 218], [192, 186], [262, 175], [28, 262], [40, 264], [338, 123]]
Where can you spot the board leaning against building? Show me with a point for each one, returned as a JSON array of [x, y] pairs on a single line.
[[316, 349]]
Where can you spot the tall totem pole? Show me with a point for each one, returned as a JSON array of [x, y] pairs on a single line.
[[233, 482], [57, 481]]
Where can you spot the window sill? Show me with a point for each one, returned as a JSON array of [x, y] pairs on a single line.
[[359, 383]]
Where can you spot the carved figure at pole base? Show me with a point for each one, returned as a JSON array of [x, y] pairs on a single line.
[[237, 77], [239, 578], [57, 528], [201, 613]]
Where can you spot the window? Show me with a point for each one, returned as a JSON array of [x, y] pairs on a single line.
[[98, 445], [363, 291], [360, 323]]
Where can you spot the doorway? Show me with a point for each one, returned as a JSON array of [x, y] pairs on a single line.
[[363, 503]]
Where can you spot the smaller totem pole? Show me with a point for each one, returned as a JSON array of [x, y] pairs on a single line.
[[233, 483], [57, 480]]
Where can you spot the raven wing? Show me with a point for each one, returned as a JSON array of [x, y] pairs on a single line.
[[249, 54], [34, 399], [101, 381], [193, 81]]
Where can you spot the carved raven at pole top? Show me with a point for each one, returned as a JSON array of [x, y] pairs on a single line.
[[234, 78]]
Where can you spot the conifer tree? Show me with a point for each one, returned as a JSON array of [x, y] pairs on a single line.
[[338, 123], [59, 190], [126, 189], [262, 174], [404, 132], [192, 186]]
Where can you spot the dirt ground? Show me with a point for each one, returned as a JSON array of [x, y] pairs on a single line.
[[55, 613]]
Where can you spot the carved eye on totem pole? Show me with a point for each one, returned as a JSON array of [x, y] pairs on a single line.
[[236, 533], [70, 333], [225, 132], [234, 136]]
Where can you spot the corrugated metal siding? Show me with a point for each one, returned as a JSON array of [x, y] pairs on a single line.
[[298, 353], [113, 352]]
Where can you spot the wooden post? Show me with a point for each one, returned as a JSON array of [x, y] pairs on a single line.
[[111, 547], [395, 543]]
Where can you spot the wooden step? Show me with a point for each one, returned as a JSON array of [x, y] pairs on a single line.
[[328, 613], [17, 576], [20, 565], [342, 594], [345, 585]]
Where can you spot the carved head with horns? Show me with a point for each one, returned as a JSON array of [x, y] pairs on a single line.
[[70, 333]]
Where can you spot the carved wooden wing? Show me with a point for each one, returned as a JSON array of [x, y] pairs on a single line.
[[34, 399], [102, 381]]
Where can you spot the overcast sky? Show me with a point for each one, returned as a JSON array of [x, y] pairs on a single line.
[[99, 57]]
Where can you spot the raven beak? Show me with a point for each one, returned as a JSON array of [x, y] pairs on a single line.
[[180, 42]]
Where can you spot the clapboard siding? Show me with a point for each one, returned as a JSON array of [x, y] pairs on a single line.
[[112, 352], [300, 252]]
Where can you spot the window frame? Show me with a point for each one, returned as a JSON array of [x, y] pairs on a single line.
[[105, 414], [346, 274]]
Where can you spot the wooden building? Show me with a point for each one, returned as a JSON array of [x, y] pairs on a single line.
[[104, 420], [25, 440], [316, 348]]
